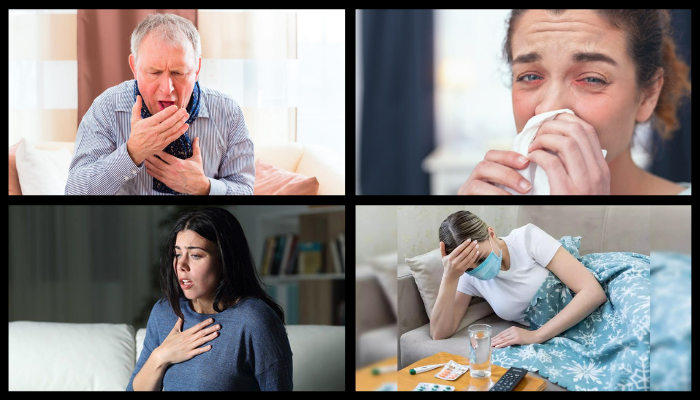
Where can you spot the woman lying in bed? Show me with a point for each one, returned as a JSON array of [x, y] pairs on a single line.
[[540, 282]]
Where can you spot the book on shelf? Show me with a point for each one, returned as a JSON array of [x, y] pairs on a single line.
[[287, 255]]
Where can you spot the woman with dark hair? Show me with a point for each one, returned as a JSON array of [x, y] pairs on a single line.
[[614, 70], [208, 276]]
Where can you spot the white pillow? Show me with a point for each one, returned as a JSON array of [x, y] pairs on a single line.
[[61, 356], [42, 171], [427, 270], [385, 267], [140, 337]]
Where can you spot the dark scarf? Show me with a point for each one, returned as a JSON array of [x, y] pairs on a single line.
[[182, 146]]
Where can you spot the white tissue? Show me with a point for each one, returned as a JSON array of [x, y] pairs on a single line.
[[533, 173]]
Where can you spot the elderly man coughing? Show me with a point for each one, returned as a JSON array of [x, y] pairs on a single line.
[[162, 133]]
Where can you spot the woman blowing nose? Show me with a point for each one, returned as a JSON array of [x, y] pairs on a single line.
[[614, 69]]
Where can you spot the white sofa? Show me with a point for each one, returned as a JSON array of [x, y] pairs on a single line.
[[63, 356], [308, 159]]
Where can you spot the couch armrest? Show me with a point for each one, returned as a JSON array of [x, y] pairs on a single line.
[[411, 308], [327, 166], [373, 309]]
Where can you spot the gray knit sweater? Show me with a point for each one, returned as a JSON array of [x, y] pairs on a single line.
[[252, 351]]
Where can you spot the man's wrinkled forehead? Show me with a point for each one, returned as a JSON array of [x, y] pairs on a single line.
[[158, 68], [158, 62], [158, 56]]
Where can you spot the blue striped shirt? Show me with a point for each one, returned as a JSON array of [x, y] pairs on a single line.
[[101, 165]]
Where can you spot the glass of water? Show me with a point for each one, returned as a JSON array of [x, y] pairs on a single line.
[[479, 350]]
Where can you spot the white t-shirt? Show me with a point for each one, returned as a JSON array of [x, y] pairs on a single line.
[[531, 249]]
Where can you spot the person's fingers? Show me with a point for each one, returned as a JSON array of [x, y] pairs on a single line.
[[178, 325], [572, 138], [467, 251], [169, 116], [196, 151], [494, 172], [495, 168], [473, 256], [202, 325], [587, 130], [458, 250], [136, 110], [212, 329], [569, 152], [175, 132], [177, 118], [206, 338], [588, 135], [508, 158], [201, 350], [442, 249], [499, 339], [485, 188], [552, 165]]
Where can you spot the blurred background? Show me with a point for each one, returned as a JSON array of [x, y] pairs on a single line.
[[671, 298], [432, 97], [99, 264]]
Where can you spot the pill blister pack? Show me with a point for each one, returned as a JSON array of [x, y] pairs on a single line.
[[433, 387], [452, 371]]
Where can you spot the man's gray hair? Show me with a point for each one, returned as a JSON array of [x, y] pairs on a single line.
[[172, 29]]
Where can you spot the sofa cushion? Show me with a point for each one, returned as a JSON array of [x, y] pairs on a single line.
[[326, 165], [41, 171], [427, 270], [273, 180], [59, 356], [385, 267], [318, 356], [140, 336], [377, 345], [14, 187]]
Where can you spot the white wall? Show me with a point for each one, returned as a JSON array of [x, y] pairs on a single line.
[[418, 225], [375, 231]]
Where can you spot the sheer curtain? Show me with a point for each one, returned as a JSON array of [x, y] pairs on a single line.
[[43, 75]]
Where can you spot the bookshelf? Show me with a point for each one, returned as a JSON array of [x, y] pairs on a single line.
[[306, 298]]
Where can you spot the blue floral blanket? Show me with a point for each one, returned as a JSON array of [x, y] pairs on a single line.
[[609, 349], [671, 347]]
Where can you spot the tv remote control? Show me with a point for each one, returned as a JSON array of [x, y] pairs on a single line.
[[509, 380]]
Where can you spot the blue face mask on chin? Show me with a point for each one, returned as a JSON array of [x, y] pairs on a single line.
[[489, 268]]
